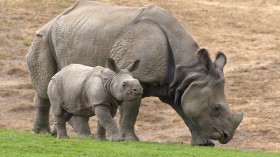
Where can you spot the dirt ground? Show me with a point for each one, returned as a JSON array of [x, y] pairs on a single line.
[[248, 32]]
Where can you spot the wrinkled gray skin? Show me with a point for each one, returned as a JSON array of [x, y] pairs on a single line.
[[172, 67], [87, 91]]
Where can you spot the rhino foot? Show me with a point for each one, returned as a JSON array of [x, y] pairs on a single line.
[[116, 138], [62, 137], [45, 130], [100, 137], [54, 131], [130, 137]]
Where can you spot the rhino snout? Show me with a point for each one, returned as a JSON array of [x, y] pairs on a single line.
[[225, 137], [136, 88], [138, 91]]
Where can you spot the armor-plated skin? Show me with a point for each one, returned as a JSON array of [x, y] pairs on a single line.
[[87, 91], [172, 65]]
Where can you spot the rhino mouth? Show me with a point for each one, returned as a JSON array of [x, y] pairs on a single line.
[[216, 135], [223, 136], [133, 96], [220, 135]]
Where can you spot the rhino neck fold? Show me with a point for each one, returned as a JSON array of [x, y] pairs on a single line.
[[107, 89], [185, 74]]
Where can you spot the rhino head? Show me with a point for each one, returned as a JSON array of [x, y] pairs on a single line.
[[202, 97], [123, 86]]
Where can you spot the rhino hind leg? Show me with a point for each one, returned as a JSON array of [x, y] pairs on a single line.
[[60, 126], [41, 123], [66, 117], [42, 67], [80, 125]]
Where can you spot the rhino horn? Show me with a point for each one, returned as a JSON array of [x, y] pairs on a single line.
[[238, 117]]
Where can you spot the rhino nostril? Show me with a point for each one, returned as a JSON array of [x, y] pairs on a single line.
[[137, 91], [225, 135]]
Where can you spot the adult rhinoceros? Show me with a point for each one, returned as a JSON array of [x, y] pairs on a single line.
[[172, 67]]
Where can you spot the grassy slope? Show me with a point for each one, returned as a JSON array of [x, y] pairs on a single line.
[[19, 143]]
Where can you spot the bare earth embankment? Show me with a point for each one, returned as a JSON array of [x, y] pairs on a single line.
[[248, 32]]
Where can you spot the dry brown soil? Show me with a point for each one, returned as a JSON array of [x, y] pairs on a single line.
[[248, 32]]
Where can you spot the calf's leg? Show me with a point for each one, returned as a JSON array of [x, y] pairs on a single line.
[[80, 125], [107, 122], [67, 116], [60, 124], [101, 132]]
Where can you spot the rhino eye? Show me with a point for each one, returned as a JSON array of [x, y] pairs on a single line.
[[217, 109], [124, 84]]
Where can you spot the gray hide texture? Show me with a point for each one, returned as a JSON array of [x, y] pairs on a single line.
[[87, 91], [171, 61]]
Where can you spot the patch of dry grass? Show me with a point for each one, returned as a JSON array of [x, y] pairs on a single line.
[[21, 108]]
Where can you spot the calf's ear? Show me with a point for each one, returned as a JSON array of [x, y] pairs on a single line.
[[220, 61], [112, 65], [133, 66]]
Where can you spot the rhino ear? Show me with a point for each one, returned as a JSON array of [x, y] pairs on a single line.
[[133, 66], [112, 65], [206, 61], [220, 61]]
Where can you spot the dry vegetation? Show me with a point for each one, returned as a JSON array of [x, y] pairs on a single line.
[[247, 31]]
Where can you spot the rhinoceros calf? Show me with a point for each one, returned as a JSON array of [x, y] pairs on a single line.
[[87, 91]]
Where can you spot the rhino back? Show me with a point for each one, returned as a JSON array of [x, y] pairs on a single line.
[[93, 31], [182, 44], [146, 41], [69, 84], [89, 31]]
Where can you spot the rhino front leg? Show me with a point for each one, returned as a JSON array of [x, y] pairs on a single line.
[[41, 123], [128, 115], [107, 122], [101, 132], [80, 125]]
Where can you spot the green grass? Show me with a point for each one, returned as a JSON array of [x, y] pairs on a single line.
[[20, 143]]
